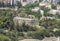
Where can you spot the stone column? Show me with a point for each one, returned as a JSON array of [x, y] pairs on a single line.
[[58, 39]]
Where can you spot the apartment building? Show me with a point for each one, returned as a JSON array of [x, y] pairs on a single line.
[[5, 1], [23, 2], [13, 2], [8, 1]]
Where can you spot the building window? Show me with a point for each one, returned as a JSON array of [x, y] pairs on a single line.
[[24, 0]]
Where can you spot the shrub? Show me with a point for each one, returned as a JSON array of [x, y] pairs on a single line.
[[4, 38]]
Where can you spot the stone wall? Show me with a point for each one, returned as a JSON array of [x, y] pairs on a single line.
[[45, 39], [27, 21]]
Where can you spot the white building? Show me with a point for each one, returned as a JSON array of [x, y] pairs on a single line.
[[13, 2]]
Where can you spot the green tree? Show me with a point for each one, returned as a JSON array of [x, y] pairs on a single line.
[[53, 6], [30, 5], [19, 4], [40, 0], [57, 15], [40, 34], [4, 38]]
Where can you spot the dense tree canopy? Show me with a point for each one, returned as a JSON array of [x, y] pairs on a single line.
[[44, 28]]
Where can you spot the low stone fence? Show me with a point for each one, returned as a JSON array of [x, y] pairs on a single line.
[[45, 39], [20, 21]]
